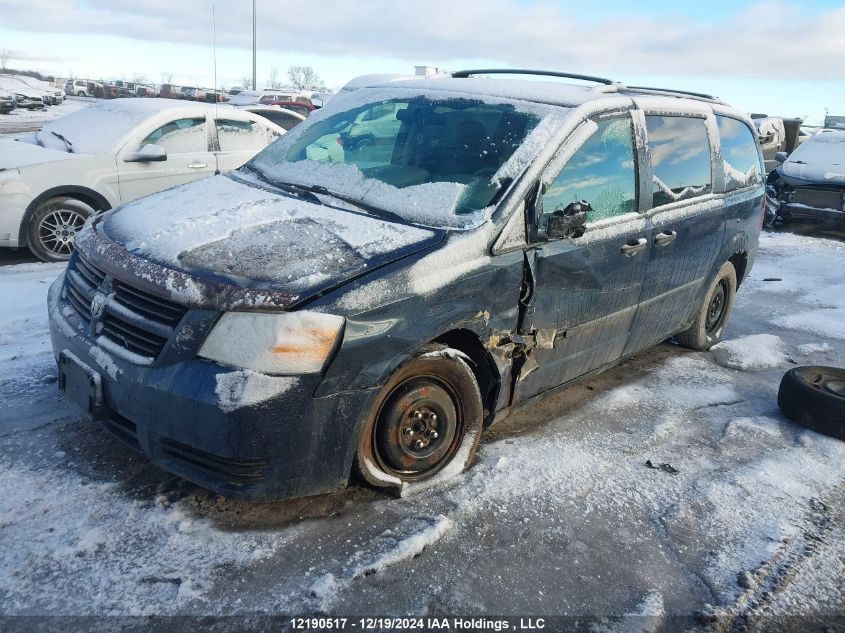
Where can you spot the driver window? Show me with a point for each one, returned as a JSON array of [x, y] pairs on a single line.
[[601, 177]]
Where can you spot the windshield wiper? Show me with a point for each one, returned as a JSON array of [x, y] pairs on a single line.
[[309, 192], [372, 210], [67, 142], [297, 190]]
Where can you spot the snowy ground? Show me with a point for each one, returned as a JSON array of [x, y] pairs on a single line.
[[560, 515]]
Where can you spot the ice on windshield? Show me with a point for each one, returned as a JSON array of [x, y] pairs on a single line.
[[429, 159]]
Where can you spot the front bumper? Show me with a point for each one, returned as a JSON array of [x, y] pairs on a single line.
[[793, 211], [13, 207], [240, 434]]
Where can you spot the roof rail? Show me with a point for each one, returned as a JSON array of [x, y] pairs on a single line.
[[463, 74], [672, 91]]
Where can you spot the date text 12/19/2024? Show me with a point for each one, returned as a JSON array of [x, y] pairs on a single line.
[[417, 624]]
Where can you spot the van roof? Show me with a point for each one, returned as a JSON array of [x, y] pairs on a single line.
[[562, 93]]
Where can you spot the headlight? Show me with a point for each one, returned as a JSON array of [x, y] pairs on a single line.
[[286, 343]]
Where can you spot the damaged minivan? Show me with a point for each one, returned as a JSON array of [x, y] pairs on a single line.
[[400, 271]]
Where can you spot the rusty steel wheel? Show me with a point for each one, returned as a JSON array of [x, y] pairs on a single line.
[[713, 314], [427, 415]]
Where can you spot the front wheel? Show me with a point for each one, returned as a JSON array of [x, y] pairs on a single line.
[[53, 228], [712, 316], [426, 421]]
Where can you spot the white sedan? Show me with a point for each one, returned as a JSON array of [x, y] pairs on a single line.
[[110, 153]]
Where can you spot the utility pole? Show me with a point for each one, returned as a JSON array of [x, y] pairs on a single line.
[[253, 44]]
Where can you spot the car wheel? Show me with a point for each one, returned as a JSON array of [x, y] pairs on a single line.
[[713, 315], [815, 397], [426, 421], [53, 228]]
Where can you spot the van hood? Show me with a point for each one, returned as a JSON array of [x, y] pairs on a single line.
[[15, 154], [226, 230]]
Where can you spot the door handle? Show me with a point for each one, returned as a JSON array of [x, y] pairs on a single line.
[[197, 165], [634, 247], [664, 238]]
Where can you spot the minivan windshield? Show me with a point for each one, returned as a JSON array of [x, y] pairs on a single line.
[[426, 159]]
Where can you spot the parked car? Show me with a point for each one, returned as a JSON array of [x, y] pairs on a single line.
[[79, 88], [108, 154], [268, 332], [7, 102], [296, 106], [282, 117], [809, 184], [26, 96], [264, 97], [54, 95]]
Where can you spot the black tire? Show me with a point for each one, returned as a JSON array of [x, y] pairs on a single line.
[[428, 415], [815, 397], [714, 312], [53, 227]]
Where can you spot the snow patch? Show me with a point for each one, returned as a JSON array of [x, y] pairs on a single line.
[[750, 353], [105, 361], [408, 547], [244, 388]]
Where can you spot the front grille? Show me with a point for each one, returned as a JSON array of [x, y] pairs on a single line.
[[133, 319], [232, 471], [819, 198]]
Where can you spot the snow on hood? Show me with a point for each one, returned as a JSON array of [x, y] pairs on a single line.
[[16, 154], [226, 227], [820, 159]]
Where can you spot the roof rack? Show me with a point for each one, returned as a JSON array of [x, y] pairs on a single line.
[[463, 74], [701, 95]]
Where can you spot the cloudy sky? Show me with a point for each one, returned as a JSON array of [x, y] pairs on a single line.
[[764, 57]]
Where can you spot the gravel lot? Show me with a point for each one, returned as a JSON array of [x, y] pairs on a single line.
[[560, 515]]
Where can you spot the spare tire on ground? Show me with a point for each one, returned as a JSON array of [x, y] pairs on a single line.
[[815, 397]]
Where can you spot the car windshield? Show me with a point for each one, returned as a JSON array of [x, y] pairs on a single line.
[[823, 148], [429, 160]]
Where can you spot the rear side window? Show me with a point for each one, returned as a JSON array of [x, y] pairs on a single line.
[[740, 158], [680, 158], [242, 136], [602, 173]]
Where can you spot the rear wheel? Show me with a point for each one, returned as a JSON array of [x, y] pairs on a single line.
[[713, 315], [427, 417], [53, 228]]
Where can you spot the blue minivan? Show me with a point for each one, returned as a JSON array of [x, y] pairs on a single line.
[[400, 271]]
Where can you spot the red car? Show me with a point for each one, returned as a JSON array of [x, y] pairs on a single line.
[[300, 107]]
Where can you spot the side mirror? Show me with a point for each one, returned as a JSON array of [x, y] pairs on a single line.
[[568, 222], [148, 154], [780, 157]]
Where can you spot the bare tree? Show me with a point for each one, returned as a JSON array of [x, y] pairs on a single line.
[[246, 81], [166, 77], [140, 78], [302, 77], [273, 77], [5, 54]]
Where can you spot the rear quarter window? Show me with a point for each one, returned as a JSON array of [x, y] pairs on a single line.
[[680, 158], [740, 158]]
